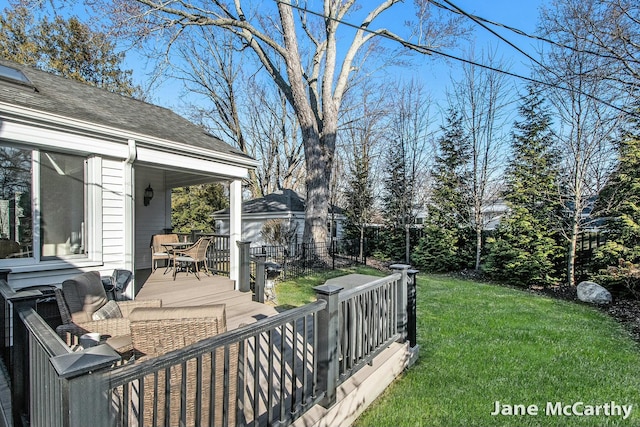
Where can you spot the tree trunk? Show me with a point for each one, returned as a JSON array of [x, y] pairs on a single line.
[[318, 136], [571, 252], [478, 247], [407, 244], [317, 200]]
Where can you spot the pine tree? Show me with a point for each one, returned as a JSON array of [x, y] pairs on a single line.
[[66, 47], [359, 197], [619, 203], [397, 200], [524, 247], [446, 242]]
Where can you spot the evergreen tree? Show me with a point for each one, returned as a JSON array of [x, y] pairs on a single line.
[[446, 244], [193, 207], [619, 204], [66, 47], [359, 195], [397, 200], [524, 247]]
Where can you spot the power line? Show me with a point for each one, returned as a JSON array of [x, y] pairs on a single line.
[[531, 36], [428, 50], [546, 68]]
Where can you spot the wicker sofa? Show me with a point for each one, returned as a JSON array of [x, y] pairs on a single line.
[[157, 331], [84, 307]]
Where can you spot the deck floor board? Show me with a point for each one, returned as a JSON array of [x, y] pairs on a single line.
[[186, 290]]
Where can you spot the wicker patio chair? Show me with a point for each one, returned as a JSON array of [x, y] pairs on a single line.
[[195, 255], [157, 331], [84, 307], [159, 252]]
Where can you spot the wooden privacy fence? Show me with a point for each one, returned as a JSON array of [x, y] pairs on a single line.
[[269, 372]]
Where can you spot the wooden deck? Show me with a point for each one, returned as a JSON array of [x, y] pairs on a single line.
[[187, 291]]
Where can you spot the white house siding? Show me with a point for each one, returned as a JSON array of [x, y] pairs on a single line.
[[152, 219], [252, 228], [113, 220]]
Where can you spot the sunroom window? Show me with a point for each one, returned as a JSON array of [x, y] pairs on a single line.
[[42, 205], [62, 202], [16, 222]]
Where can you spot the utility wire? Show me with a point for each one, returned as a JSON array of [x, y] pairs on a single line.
[[535, 61], [428, 50], [531, 36]]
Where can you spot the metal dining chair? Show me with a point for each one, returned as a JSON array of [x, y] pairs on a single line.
[[194, 255]]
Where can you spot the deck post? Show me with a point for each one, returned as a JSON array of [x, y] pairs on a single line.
[[19, 360], [412, 331], [327, 347], [244, 278], [87, 399], [402, 298], [260, 277]]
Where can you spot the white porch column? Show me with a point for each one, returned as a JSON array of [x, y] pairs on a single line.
[[235, 228], [129, 215]]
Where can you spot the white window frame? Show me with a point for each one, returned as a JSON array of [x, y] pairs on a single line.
[[93, 219]]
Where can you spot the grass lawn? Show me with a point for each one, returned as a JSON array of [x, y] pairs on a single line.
[[482, 343]]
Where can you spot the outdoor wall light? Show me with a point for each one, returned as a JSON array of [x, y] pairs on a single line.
[[148, 195]]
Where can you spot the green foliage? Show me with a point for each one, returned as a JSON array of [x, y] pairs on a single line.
[[65, 47], [521, 252], [437, 251], [193, 207], [359, 196], [390, 244], [623, 277], [619, 203], [615, 264], [524, 247], [397, 196], [445, 245], [450, 204]]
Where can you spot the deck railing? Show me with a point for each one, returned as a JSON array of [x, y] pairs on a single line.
[[269, 372], [368, 322]]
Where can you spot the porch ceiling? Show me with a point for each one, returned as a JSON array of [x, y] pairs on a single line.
[[175, 177]]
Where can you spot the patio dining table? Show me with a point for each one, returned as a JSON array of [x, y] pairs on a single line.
[[171, 247]]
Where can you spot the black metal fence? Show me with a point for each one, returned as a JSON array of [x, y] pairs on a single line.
[[301, 259]]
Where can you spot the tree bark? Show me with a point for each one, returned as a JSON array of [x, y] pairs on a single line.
[[318, 154]]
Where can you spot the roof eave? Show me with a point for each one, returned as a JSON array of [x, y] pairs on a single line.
[[42, 118]]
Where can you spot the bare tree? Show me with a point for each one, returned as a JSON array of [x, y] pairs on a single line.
[[481, 97], [300, 51], [359, 140], [606, 29], [407, 162], [274, 133], [583, 99]]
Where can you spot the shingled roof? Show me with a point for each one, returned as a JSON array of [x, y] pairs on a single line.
[[72, 99], [282, 201]]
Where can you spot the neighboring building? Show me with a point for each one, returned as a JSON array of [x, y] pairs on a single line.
[[86, 176], [285, 205], [493, 213]]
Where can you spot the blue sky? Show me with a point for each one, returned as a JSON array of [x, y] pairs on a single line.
[[521, 15], [437, 72]]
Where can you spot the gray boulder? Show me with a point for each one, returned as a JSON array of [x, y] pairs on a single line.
[[593, 293]]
